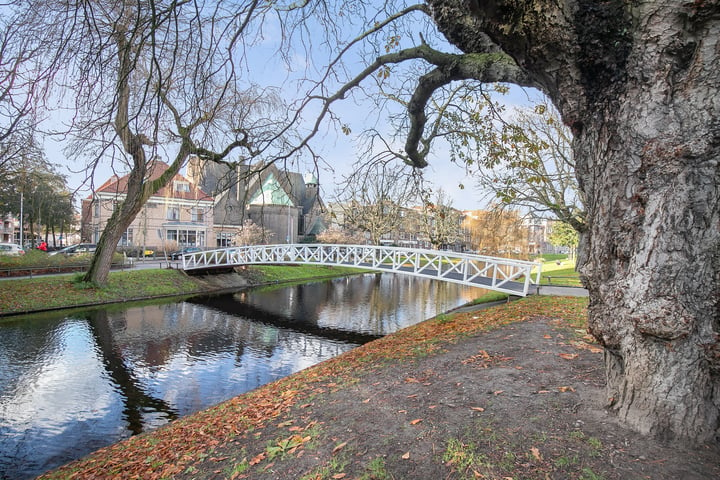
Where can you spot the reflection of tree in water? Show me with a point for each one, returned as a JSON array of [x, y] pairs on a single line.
[[373, 304], [153, 335], [264, 308], [136, 400], [404, 300]]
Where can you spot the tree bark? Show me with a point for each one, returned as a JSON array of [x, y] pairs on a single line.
[[652, 256], [638, 84]]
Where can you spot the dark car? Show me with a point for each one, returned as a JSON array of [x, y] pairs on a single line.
[[177, 255]]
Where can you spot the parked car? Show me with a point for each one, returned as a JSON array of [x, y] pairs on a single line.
[[76, 249], [138, 252], [11, 249], [176, 255]]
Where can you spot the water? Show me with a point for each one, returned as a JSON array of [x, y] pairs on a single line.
[[72, 383]]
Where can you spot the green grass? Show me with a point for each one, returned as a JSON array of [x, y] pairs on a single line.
[[559, 270], [38, 259], [490, 297], [67, 291]]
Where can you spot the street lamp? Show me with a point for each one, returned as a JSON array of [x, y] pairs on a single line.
[[22, 201]]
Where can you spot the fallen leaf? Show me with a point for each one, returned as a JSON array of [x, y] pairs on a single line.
[[566, 389], [402, 411], [543, 391], [339, 447], [547, 336], [339, 475], [366, 400], [416, 421], [257, 459], [498, 392], [569, 356], [477, 409], [536, 453], [406, 456]]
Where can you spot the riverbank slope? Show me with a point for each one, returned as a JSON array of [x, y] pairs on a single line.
[[53, 292], [513, 391]]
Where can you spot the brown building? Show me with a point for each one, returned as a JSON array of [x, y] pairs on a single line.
[[179, 214]]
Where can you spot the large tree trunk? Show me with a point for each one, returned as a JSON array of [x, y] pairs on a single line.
[[639, 85], [648, 163]]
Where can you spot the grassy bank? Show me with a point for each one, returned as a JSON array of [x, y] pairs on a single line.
[[559, 270], [67, 291]]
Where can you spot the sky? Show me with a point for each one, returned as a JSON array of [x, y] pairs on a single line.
[[339, 151]]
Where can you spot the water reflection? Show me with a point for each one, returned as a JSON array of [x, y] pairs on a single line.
[[373, 305], [70, 384]]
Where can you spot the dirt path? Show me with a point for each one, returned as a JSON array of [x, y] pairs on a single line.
[[521, 401]]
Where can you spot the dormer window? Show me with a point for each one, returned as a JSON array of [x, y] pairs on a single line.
[[181, 186]]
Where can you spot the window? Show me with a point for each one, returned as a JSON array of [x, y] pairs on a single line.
[[198, 215], [224, 239], [127, 238], [182, 186], [97, 208], [172, 235], [173, 213]]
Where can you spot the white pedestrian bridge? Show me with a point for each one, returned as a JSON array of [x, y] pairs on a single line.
[[500, 274]]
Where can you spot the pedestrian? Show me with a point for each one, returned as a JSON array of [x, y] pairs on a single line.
[[42, 246]]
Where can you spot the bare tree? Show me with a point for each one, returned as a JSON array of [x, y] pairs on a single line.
[[521, 158], [148, 80], [441, 222], [374, 196], [252, 234], [339, 235]]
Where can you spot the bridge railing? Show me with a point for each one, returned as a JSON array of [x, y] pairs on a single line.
[[501, 274]]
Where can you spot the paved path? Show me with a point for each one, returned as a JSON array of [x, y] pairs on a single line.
[[561, 291]]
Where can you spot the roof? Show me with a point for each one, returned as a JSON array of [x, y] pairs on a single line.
[[118, 185]]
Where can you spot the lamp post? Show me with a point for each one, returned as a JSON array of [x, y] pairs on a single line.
[[22, 201]]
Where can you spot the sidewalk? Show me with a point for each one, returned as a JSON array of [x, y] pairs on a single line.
[[561, 291]]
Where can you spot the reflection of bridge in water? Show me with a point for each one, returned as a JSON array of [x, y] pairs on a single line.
[[499, 274]]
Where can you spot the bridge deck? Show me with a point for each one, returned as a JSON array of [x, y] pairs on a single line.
[[500, 274]]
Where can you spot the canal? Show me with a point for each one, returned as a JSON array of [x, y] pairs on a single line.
[[71, 383]]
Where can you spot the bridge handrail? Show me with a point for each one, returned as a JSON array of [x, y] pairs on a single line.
[[444, 265]]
